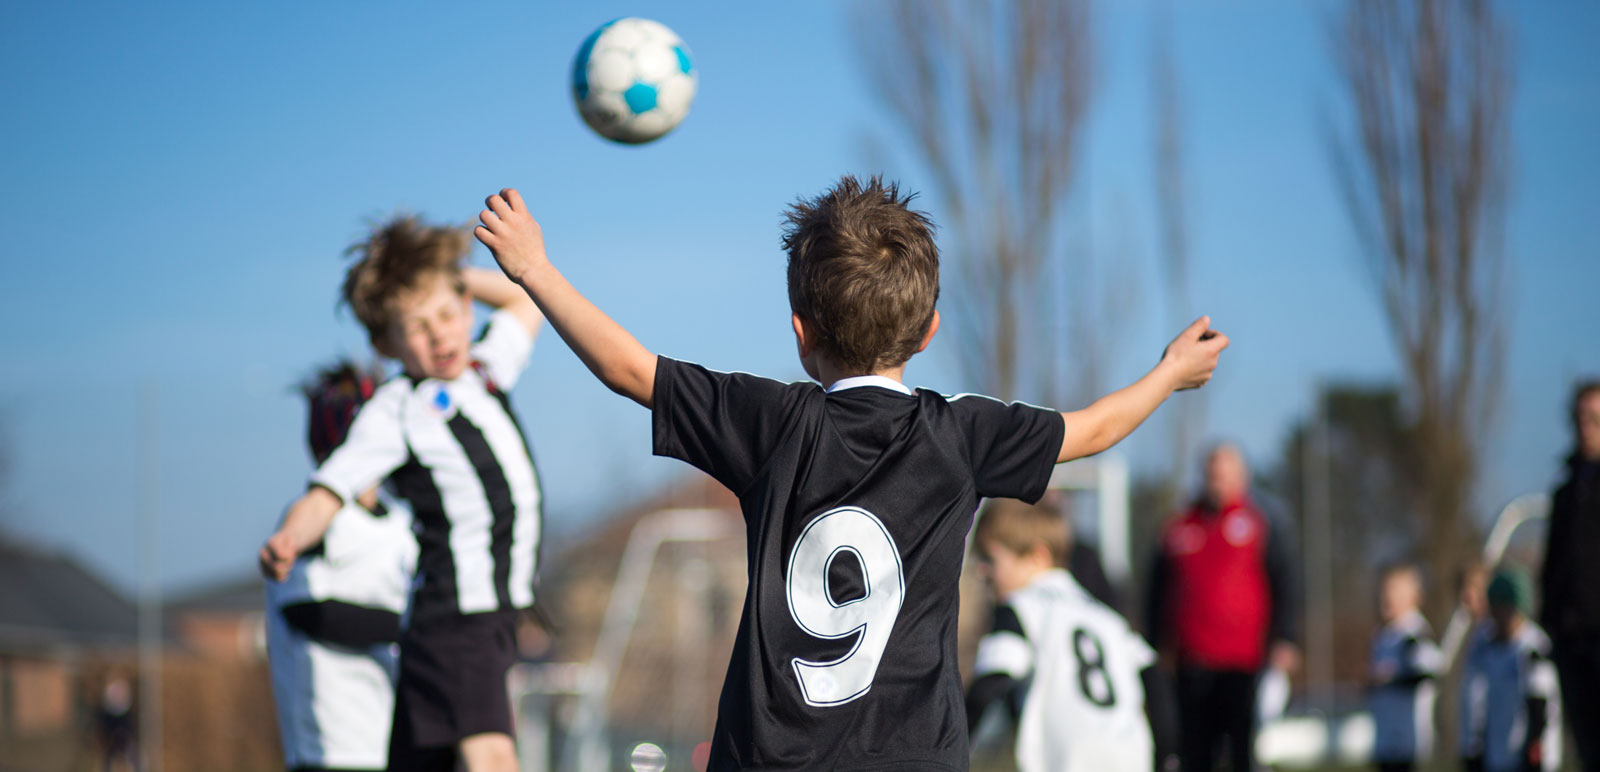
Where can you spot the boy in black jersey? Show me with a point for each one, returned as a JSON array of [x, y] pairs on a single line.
[[857, 494]]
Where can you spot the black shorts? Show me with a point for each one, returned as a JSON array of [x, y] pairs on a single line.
[[452, 686]]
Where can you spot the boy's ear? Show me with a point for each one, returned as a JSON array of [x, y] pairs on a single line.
[[804, 338], [933, 327], [1040, 553]]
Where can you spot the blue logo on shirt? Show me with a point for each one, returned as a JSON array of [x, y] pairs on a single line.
[[441, 400]]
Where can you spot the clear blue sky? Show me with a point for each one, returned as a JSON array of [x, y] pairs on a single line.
[[178, 183]]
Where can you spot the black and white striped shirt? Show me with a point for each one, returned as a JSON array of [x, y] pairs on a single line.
[[455, 452]]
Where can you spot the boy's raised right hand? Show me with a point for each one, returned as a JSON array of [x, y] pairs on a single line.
[[303, 525], [511, 234], [277, 557], [1192, 356]]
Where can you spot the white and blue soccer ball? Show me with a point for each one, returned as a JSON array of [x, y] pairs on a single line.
[[633, 80]]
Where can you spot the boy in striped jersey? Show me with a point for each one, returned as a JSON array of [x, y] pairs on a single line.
[[1090, 696], [332, 625], [1405, 662], [444, 435]]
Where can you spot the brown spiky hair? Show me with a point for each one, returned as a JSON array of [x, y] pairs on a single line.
[[864, 271], [1018, 526], [399, 256]]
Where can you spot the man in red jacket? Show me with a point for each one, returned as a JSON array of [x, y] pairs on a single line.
[[1221, 609]]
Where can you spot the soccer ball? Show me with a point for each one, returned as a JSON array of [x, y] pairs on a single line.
[[633, 80]]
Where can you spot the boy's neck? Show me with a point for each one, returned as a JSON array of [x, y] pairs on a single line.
[[1511, 628], [1402, 615], [1031, 579], [828, 375]]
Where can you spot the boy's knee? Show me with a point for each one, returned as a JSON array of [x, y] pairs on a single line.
[[489, 752]]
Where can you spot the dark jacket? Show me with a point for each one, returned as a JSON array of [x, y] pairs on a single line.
[[1570, 583]]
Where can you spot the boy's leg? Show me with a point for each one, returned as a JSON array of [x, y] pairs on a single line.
[[489, 752]]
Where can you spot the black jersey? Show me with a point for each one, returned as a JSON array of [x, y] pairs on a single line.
[[857, 502]]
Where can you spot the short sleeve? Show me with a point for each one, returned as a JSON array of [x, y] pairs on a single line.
[[374, 446], [1012, 446], [1004, 650], [504, 349], [725, 424], [1138, 651]]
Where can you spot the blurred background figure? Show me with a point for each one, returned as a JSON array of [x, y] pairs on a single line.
[[1082, 687], [1220, 611], [114, 723], [1571, 578], [1472, 587], [1472, 592], [1513, 705], [1405, 665], [333, 623], [1083, 560]]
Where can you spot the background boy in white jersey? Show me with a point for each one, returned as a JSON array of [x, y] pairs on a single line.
[[1405, 663], [444, 435], [332, 625], [857, 494], [1509, 685], [1091, 698]]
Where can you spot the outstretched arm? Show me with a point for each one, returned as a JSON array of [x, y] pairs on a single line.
[[308, 519], [498, 292], [610, 352], [1186, 364]]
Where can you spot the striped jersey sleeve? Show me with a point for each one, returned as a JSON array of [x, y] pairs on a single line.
[[374, 447], [504, 349]]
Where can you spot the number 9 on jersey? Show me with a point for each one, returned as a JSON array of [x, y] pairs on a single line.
[[870, 618]]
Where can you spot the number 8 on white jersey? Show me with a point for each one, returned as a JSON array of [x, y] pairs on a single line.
[[870, 617]]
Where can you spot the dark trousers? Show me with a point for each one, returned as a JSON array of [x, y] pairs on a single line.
[[1577, 661], [1395, 766], [1216, 705]]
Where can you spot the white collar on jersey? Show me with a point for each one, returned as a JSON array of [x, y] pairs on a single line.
[[880, 381]]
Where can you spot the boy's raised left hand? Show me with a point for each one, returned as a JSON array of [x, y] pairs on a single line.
[[511, 234]]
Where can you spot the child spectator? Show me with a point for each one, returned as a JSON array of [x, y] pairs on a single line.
[[1090, 695], [1405, 664], [1513, 705]]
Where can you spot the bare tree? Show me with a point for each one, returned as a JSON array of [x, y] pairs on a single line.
[[991, 96], [1423, 171]]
